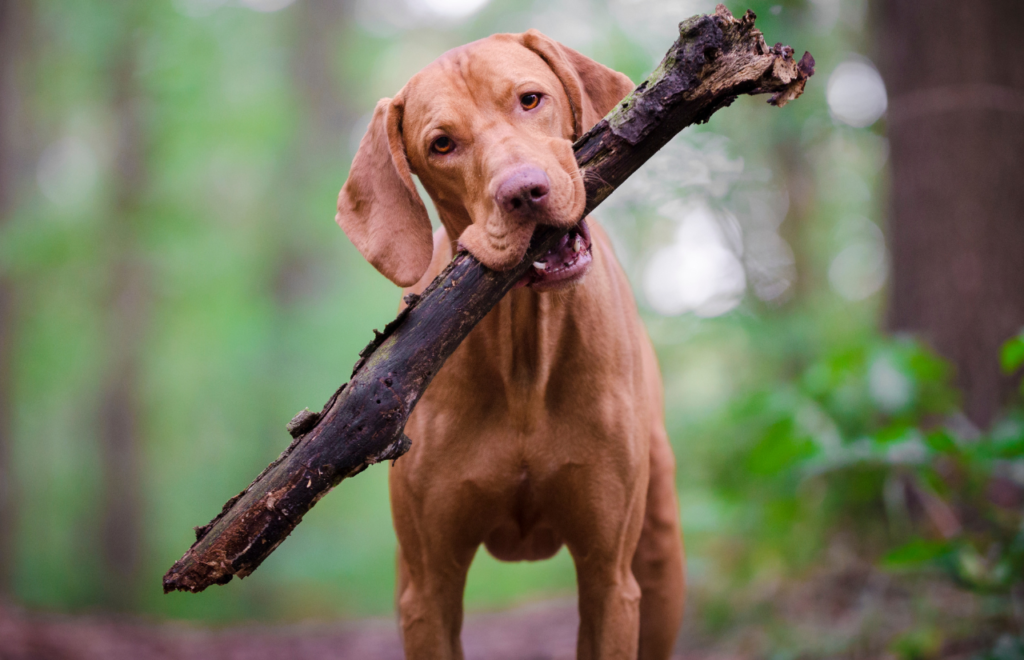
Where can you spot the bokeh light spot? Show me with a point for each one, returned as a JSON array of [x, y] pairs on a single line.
[[697, 273], [67, 172], [856, 94], [859, 270], [267, 6], [889, 387], [452, 8]]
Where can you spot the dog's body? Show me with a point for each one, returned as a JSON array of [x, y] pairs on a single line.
[[545, 426]]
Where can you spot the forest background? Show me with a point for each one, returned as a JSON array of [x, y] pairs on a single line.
[[835, 291]]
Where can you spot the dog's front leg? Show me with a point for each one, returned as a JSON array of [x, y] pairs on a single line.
[[609, 604], [603, 521], [430, 608], [436, 543]]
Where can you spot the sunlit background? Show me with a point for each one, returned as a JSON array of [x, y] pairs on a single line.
[[182, 290]]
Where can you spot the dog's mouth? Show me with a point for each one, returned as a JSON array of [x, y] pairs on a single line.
[[563, 264]]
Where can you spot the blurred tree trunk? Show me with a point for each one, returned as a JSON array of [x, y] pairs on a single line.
[[797, 174], [7, 54], [119, 404], [326, 113], [14, 24], [956, 129], [323, 121]]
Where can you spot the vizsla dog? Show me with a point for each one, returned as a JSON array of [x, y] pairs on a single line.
[[545, 426]]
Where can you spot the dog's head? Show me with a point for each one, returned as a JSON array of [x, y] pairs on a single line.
[[488, 128]]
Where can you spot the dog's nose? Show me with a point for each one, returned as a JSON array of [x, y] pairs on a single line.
[[525, 190]]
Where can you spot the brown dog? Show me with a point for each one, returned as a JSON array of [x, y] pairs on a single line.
[[545, 425]]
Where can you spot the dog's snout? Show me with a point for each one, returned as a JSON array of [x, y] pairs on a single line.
[[525, 190]]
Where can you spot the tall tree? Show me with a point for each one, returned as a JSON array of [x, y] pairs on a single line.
[[324, 118], [119, 404], [326, 114], [956, 130], [14, 21]]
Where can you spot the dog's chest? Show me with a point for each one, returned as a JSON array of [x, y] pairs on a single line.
[[518, 368]]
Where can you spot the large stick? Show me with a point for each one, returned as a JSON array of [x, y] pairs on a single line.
[[715, 59]]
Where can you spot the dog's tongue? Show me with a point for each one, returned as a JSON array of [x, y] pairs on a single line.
[[559, 254], [563, 255]]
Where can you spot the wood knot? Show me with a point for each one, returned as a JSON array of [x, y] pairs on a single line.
[[202, 531], [392, 452], [303, 422]]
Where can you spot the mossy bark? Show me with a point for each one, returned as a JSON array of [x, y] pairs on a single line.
[[716, 58]]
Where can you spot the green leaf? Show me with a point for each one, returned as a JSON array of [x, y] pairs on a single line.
[[917, 643], [941, 441], [914, 554], [892, 433], [1008, 449], [1012, 355], [781, 447]]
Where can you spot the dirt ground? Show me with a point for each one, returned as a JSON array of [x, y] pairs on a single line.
[[539, 632], [854, 613]]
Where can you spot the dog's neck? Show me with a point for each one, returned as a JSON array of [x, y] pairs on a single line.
[[516, 337], [527, 329]]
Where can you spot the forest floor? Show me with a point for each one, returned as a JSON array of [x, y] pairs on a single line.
[[855, 613]]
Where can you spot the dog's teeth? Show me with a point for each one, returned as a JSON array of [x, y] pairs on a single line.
[[577, 245], [540, 265]]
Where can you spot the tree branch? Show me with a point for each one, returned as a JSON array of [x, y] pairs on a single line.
[[715, 59]]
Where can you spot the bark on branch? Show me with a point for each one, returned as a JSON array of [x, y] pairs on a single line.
[[716, 58]]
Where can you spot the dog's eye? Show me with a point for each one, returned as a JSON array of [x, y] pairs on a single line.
[[529, 101], [442, 145]]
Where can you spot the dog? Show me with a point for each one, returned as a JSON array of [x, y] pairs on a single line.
[[545, 427]]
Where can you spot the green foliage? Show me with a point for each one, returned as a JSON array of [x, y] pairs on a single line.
[[867, 440], [1011, 358]]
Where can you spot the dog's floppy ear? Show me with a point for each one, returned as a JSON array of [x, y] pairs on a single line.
[[593, 88], [379, 208]]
